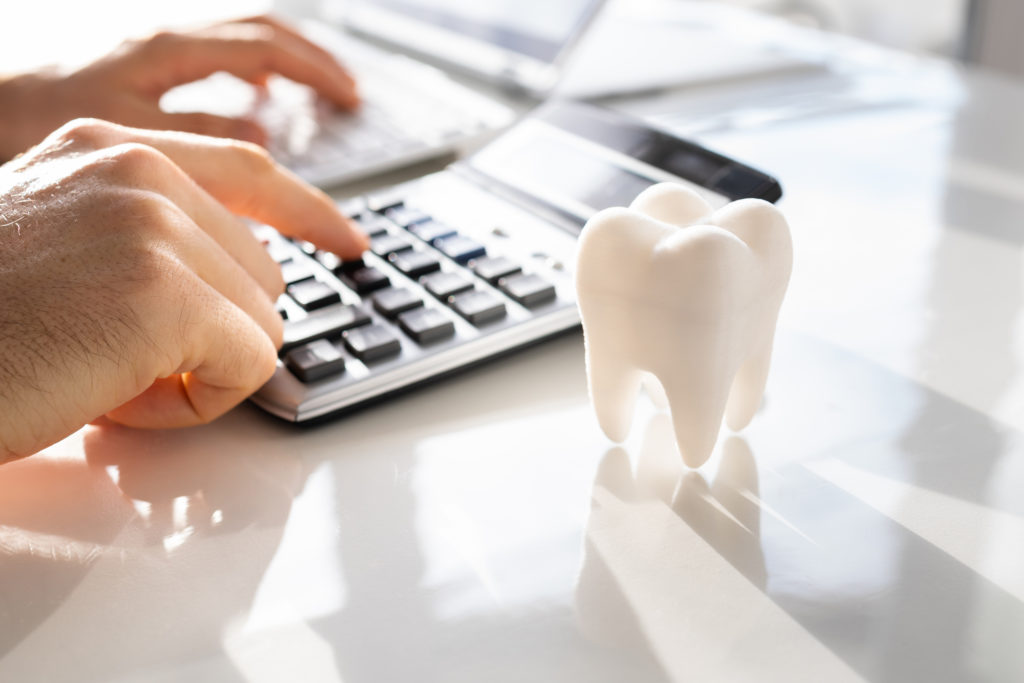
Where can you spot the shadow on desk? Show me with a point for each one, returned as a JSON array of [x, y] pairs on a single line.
[[673, 563], [106, 562], [881, 542]]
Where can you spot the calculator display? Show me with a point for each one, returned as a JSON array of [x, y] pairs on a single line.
[[575, 177], [571, 177], [579, 161]]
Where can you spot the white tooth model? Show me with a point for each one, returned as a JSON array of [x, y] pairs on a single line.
[[673, 289]]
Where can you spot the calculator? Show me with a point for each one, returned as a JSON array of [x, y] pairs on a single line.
[[471, 262]]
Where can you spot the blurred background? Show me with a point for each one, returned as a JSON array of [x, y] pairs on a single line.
[[984, 31], [917, 25]]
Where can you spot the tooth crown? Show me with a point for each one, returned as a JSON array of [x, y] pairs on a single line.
[[671, 288]]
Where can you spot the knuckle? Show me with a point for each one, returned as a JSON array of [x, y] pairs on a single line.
[[141, 233], [260, 41], [161, 40], [87, 132], [136, 154], [134, 163], [262, 18], [154, 218], [147, 276], [146, 264], [252, 37], [254, 158], [262, 33]]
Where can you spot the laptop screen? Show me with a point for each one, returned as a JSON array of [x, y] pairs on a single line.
[[538, 29]]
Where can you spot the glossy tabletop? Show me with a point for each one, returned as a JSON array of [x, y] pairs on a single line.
[[868, 525]]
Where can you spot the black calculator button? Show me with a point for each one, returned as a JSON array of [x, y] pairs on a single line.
[[493, 268], [315, 360], [353, 208], [384, 201], [313, 294], [478, 307], [404, 216], [333, 263], [415, 264], [431, 231], [426, 325], [529, 290], [460, 248], [351, 266], [374, 225], [296, 271], [371, 342], [443, 285], [367, 279], [385, 245], [327, 322], [392, 301]]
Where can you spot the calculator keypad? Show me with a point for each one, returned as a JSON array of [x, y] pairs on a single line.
[[420, 283]]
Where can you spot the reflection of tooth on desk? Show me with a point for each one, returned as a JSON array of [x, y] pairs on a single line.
[[661, 569], [680, 589]]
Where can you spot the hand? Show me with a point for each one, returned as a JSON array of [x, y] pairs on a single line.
[[126, 85], [130, 289]]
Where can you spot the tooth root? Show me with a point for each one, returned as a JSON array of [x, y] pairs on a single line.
[[697, 404], [655, 391], [614, 386], [748, 386]]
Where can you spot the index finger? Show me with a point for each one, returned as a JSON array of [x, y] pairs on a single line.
[[250, 51], [283, 28], [244, 178]]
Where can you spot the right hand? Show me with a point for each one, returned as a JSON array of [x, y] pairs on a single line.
[[130, 288], [126, 85]]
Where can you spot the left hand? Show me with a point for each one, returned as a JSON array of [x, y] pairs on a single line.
[[126, 85]]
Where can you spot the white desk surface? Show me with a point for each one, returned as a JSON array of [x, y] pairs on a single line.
[[868, 525]]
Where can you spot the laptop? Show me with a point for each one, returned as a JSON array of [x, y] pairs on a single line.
[[411, 111], [414, 111], [583, 49], [521, 45], [471, 262]]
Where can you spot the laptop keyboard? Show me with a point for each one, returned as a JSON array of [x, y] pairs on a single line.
[[409, 113], [316, 140], [419, 278]]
